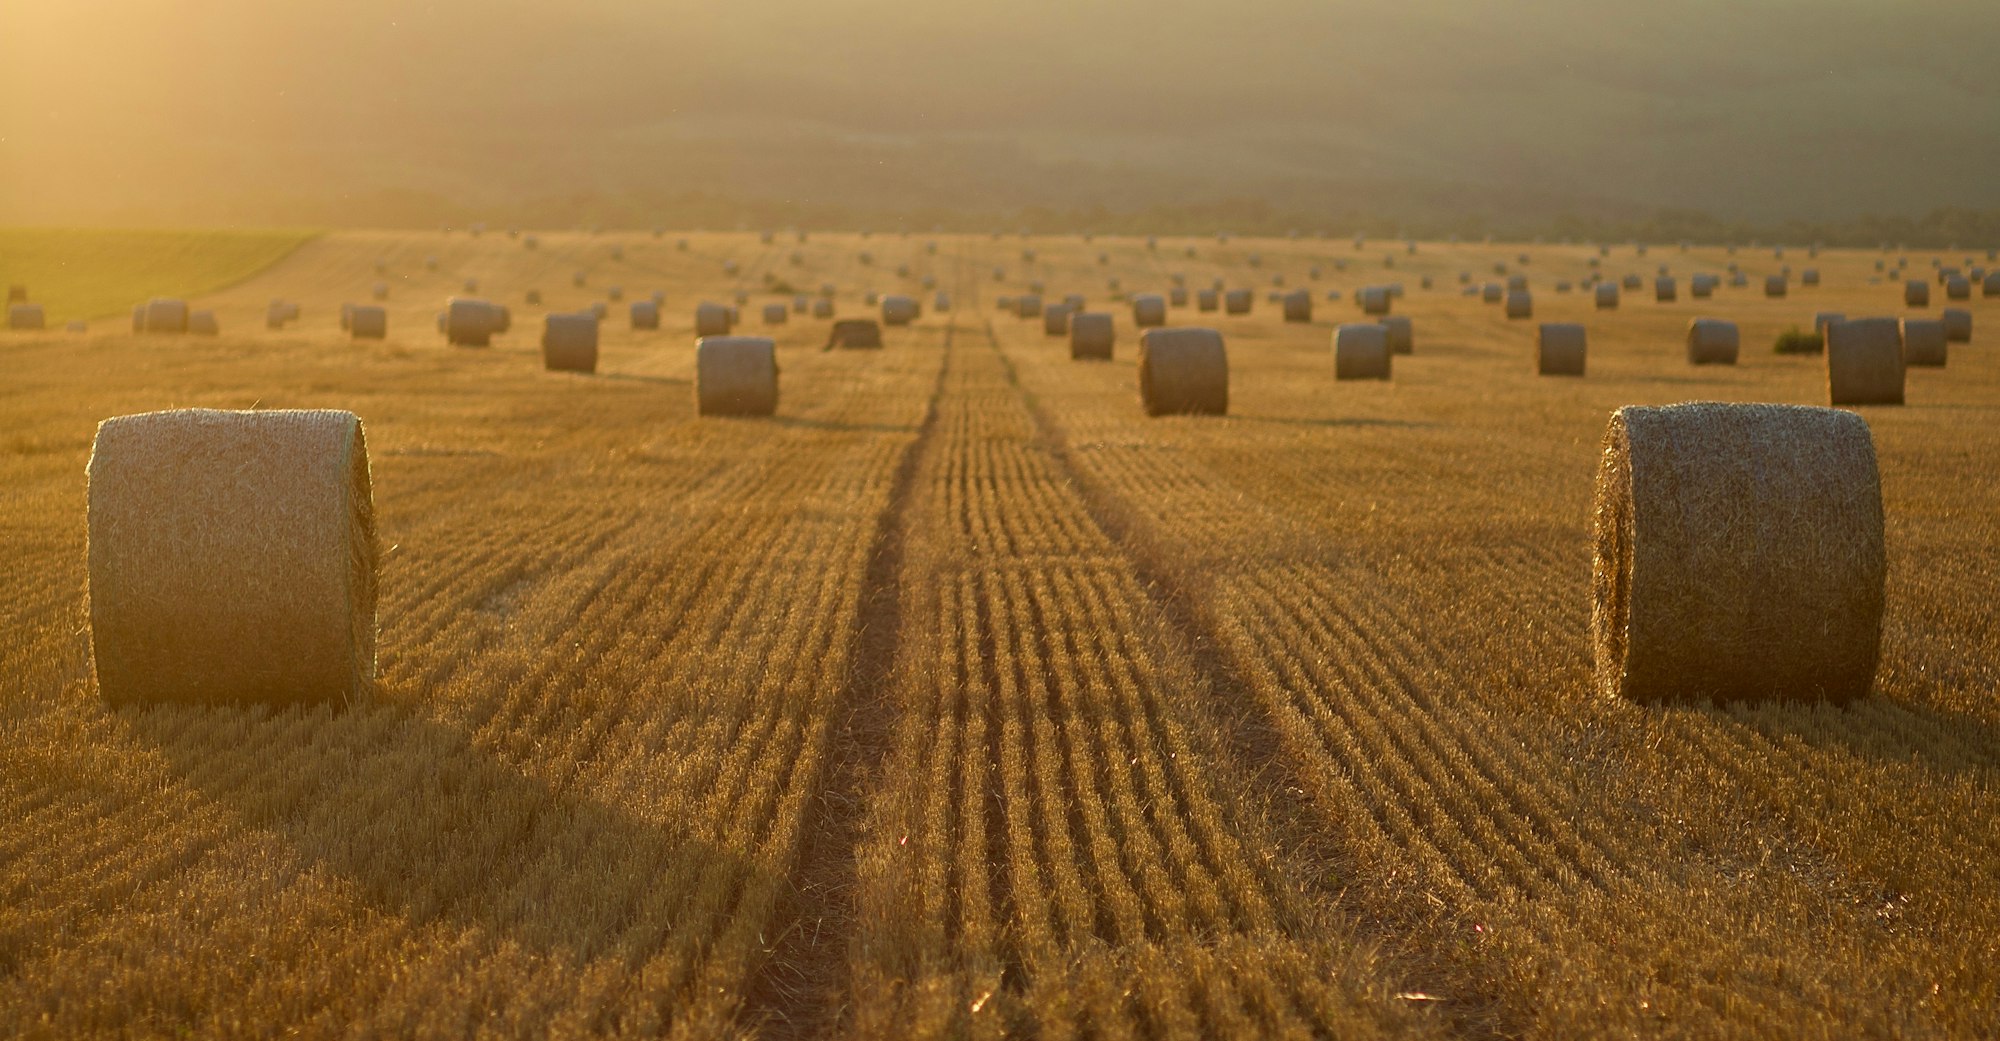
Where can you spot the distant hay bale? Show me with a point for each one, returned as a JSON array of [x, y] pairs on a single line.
[[598, 310], [736, 376], [1361, 352], [711, 319], [1864, 362], [1958, 287], [941, 302], [1607, 296], [1665, 290], [1923, 342], [776, 314], [1183, 370], [1517, 282], [533, 298], [855, 333], [1560, 348], [822, 308], [203, 323], [1149, 310], [471, 285], [1991, 286], [231, 557], [1774, 286], [368, 322], [26, 317], [801, 303], [898, 309], [1520, 304], [1632, 282], [1091, 335], [645, 315], [1712, 341], [1702, 287], [379, 290], [1809, 277], [1402, 335], [1738, 554], [614, 293], [469, 322], [1206, 300], [1492, 293], [1238, 301], [1916, 293], [1298, 306], [1055, 320], [569, 343], [1177, 296], [1374, 300], [1028, 306], [1957, 323]]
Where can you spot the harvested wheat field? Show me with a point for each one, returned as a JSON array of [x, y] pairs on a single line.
[[958, 697]]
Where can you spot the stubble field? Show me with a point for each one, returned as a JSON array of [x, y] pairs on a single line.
[[960, 698]]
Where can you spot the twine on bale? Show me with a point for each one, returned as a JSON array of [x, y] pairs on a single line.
[[736, 376], [232, 557], [1183, 370], [1738, 554]]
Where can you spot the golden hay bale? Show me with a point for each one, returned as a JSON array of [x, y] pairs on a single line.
[[1206, 300], [1183, 370], [1774, 285], [1958, 287], [941, 302], [1991, 286], [1606, 295], [1028, 306], [1520, 304], [614, 293], [1916, 293], [711, 319], [471, 285], [232, 557], [379, 290], [1864, 362], [1149, 310], [1091, 335], [1738, 554], [1055, 319], [1238, 301], [1402, 335], [1298, 306], [1177, 296], [776, 314], [1632, 282], [368, 322], [801, 303], [1712, 341], [645, 314], [1374, 300], [1361, 351], [822, 308], [203, 323], [1517, 282], [165, 315], [1957, 323], [469, 322], [1560, 349], [1665, 290], [898, 309], [1923, 342], [1702, 287], [26, 317], [569, 342], [1809, 277], [1492, 293], [736, 376], [855, 332]]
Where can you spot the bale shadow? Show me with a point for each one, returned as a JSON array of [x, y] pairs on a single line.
[[1339, 421], [1875, 727], [636, 377], [809, 423]]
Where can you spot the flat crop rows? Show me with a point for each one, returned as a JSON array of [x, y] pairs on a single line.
[[961, 699]]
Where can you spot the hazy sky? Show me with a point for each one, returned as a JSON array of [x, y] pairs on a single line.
[[187, 109]]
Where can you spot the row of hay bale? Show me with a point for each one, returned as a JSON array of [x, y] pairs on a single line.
[[171, 315]]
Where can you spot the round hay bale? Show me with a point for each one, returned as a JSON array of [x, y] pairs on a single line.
[[822, 308], [1957, 323], [166, 315], [1402, 335], [203, 323], [471, 285], [1822, 319], [776, 314], [801, 303], [1632, 282], [1560, 349], [941, 302], [1206, 300], [1958, 287], [1361, 351], [898, 309], [379, 290], [736, 376], [711, 319], [469, 322], [1028, 306], [1298, 306], [1738, 554], [1665, 290], [1606, 296], [1774, 286], [1149, 310], [855, 333], [1712, 341], [1177, 296], [1183, 370], [598, 309], [569, 342], [1864, 362], [1492, 293], [1374, 300], [1916, 293], [1702, 287], [1809, 277], [368, 322], [1520, 304], [614, 293], [1091, 335], [1238, 301], [1923, 342], [26, 317], [645, 315], [1055, 319], [1991, 286], [232, 557], [1517, 282]]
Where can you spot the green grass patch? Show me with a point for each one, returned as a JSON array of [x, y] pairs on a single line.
[[1799, 341], [90, 273]]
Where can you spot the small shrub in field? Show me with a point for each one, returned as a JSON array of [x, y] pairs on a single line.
[[1799, 341]]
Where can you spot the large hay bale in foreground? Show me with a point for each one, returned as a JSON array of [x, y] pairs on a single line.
[[1091, 335], [1923, 342], [166, 315], [1606, 295], [469, 322], [1298, 306], [1916, 293], [368, 322], [1738, 554], [1402, 334], [1149, 310], [1361, 352], [26, 317], [854, 332], [1238, 301], [1864, 362], [736, 376], [1957, 323], [569, 343], [898, 309], [1183, 370], [1560, 349], [711, 319], [1713, 341], [1520, 304], [232, 557]]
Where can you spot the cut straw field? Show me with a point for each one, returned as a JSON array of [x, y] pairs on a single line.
[[960, 698]]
